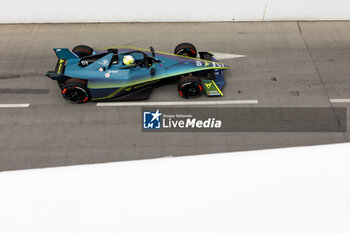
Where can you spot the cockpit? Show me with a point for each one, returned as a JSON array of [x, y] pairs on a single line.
[[141, 59]]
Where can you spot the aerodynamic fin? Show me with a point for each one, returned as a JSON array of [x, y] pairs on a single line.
[[65, 54]]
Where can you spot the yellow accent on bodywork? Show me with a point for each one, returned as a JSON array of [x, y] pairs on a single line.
[[60, 66], [218, 89]]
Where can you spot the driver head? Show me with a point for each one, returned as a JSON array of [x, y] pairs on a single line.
[[128, 60]]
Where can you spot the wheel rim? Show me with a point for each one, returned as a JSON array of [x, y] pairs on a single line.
[[191, 90], [75, 94]]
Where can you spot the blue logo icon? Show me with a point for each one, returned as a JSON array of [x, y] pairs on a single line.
[[151, 120]]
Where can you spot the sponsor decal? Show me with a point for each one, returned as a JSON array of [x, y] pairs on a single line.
[[104, 62], [207, 63], [84, 63], [107, 75], [211, 88], [208, 85], [218, 65]]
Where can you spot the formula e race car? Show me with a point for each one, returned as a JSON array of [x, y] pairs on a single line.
[[127, 73]]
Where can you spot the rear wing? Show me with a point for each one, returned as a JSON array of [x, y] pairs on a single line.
[[59, 70], [65, 54]]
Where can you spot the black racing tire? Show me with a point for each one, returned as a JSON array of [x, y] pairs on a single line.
[[75, 91], [189, 87], [186, 49], [82, 50]]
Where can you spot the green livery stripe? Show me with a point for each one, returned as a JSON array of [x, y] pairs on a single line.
[[110, 95], [172, 54], [125, 88]]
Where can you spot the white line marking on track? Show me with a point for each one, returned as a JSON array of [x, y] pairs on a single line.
[[224, 56], [339, 100], [14, 105], [177, 103]]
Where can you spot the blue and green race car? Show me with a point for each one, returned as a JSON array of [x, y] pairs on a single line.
[[127, 73]]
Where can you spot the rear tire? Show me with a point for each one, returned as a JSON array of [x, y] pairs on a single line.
[[82, 50], [186, 49], [75, 91], [190, 87]]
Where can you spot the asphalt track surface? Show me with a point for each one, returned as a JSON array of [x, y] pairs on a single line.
[[288, 64]]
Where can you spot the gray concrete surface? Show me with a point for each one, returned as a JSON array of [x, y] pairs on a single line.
[[309, 60]]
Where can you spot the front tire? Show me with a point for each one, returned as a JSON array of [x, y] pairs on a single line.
[[75, 91], [186, 49], [189, 87]]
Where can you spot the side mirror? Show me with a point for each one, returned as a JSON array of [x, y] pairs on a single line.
[[152, 51]]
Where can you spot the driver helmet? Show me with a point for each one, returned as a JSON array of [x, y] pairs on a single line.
[[128, 60]]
